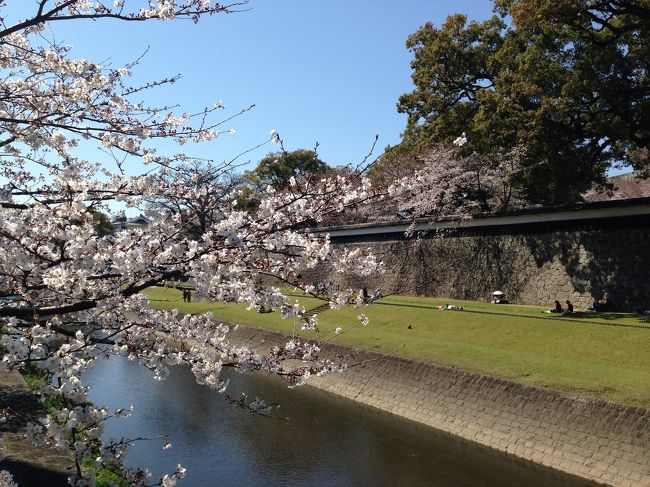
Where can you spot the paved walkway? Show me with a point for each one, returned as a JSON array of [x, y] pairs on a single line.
[[29, 465]]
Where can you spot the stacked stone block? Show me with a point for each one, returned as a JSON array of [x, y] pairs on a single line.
[[531, 268]]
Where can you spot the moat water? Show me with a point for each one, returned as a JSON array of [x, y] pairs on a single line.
[[316, 439]]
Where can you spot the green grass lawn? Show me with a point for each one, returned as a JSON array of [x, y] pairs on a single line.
[[166, 298], [577, 353]]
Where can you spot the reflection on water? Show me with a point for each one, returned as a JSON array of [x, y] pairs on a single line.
[[320, 440]]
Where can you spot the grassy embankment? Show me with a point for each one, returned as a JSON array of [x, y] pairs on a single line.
[[579, 354]]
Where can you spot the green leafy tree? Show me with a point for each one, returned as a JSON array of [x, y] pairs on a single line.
[[103, 225], [567, 80], [277, 168]]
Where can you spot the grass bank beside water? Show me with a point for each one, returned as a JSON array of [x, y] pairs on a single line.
[[605, 356]]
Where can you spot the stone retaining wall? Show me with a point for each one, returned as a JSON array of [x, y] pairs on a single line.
[[532, 265], [594, 439]]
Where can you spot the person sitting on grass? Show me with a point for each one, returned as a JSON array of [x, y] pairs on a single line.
[[569, 306], [556, 309], [607, 305], [595, 306]]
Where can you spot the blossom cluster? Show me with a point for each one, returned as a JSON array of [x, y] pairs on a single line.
[[448, 183], [73, 294]]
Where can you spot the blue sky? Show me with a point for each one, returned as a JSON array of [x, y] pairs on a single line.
[[317, 71]]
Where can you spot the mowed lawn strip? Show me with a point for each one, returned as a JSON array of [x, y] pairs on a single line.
[[606, 362], [516, 310], [166, 298]]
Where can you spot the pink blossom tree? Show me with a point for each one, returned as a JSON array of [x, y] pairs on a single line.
[[441, 181], [77, 295]]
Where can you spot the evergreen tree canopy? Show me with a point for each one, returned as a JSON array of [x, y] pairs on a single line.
[[277, 168], [567, 80]]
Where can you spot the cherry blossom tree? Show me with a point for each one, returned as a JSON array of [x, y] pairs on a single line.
[[441, 181], [211, 185], [76, 295]]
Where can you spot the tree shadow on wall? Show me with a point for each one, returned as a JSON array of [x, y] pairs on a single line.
[[599, 263], [454, 266]]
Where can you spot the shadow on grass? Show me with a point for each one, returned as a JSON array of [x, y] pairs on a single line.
[[588, 315], [578, 317], [28, 474]]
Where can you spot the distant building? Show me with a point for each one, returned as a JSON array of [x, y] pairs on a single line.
[[122, 223]]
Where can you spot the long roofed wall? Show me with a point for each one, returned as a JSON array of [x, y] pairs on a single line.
[[534, 257]]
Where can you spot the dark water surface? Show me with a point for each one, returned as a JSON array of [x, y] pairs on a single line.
[[326, 440]]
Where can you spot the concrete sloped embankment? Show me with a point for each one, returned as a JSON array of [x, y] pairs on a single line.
[[593, 439]]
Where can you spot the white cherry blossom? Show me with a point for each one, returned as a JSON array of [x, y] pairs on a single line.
[[76, 294]]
